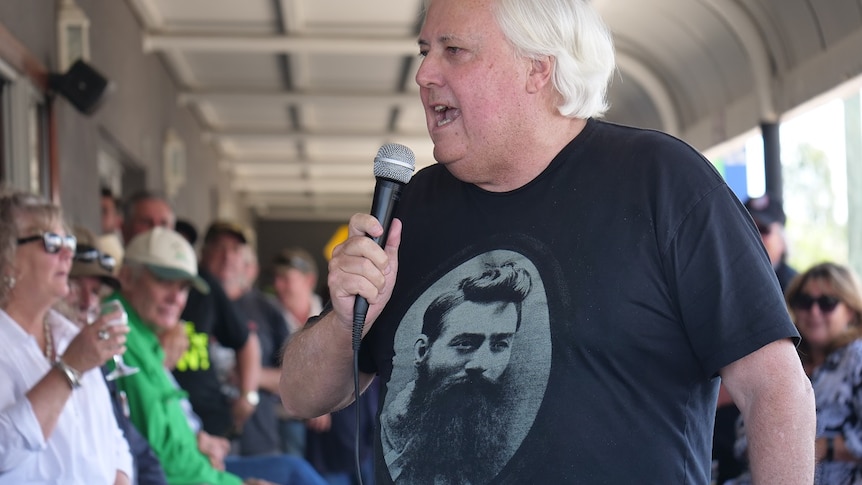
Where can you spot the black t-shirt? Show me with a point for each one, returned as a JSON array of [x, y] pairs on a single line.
[[210, 316], [647, 277], [260, 434]]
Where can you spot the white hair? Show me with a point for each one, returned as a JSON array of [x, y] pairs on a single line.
[[571, 32]]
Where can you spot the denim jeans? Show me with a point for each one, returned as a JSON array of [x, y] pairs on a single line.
[[280, 469]]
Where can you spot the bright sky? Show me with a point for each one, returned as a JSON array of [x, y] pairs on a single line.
[[823, 128], [819, 123]]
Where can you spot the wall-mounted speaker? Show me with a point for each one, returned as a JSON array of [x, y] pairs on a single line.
[[81, 85]]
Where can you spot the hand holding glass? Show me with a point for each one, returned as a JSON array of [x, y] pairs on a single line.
[[121, 369]]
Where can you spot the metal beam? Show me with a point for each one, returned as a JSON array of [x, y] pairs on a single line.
[[375, 46], [284, 97], [415, 139]]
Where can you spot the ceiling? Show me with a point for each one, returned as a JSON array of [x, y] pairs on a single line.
[[298, 95]]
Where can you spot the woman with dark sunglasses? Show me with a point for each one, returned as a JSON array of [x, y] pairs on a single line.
[[56, 419], [825, 303]]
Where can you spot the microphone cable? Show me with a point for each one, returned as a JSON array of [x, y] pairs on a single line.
[[360, 308]]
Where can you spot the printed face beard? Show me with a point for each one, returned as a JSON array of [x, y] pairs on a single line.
[[459, 436]]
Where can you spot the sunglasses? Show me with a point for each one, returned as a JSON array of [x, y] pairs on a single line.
[[805, 302], [89, 254], [764, 230], [52, 241]]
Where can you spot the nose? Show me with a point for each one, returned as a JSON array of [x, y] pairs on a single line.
[[480, 360], [174, 291], [426, 75], [66, 253], [89, 301]]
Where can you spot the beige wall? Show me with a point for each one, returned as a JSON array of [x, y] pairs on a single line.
[[133, 120]]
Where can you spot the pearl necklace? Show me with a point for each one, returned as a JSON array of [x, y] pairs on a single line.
[[49, 342]]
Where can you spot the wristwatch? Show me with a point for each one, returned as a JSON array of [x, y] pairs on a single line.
[[252, 397], [73, 377]]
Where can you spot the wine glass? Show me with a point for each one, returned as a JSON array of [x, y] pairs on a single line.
[[121, 369]]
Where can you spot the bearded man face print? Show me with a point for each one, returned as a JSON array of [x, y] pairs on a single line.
[[451, 410]]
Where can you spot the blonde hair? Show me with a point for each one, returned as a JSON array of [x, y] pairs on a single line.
[[20, 212], [846, 287]]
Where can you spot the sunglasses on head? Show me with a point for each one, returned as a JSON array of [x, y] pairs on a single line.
[[805, 302], [89, 254], [52, 241]]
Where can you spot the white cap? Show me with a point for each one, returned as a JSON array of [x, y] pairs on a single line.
[[167, 255]]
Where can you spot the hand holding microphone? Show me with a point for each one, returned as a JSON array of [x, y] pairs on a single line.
[[393, 167]]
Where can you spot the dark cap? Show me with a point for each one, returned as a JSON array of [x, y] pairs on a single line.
[[91, 259], [187, 230], [765, 210], [295, 258], [225, 227]]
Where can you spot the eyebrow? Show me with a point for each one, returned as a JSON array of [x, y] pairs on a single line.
[[482, 335], [442, 39]]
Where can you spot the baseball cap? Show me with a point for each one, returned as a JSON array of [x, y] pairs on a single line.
[[295, 258], [765, 210], [167, 255], [187, 230], [225, 227], [91, 259]]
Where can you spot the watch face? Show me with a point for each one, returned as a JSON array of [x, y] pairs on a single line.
[[252, 397]]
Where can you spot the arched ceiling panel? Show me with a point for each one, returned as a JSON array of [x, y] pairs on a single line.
[[837, 19], [306, 83], [797, 26]]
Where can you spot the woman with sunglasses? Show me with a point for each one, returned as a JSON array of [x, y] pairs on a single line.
[[825, 302], [56, 420]]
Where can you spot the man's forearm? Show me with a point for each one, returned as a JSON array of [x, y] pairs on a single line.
[[269, 377], [317, 370], [780, 424], [248, 364]]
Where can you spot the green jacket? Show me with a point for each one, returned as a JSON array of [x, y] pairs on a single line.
[[154, 404]]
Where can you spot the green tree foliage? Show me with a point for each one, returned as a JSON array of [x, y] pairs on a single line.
[[813, 235]]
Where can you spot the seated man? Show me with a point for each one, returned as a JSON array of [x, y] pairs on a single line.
[[158, 268], [92, 277]]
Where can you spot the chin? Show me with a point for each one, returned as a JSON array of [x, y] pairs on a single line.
[[164, 325]]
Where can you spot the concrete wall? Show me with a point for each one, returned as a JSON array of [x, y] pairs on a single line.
[[133, 120]]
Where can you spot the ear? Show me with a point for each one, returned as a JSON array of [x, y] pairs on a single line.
[[420, 350], [540, 73]]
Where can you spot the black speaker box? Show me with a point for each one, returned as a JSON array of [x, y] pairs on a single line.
[[82, 86]]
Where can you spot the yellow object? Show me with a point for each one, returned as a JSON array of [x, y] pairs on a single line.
[[337, 238]]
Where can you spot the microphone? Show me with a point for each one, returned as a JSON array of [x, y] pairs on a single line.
[[393, 167]]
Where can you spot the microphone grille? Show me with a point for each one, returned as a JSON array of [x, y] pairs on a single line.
[[394, 162]]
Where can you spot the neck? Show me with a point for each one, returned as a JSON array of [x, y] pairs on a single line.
[[817, 357], [233, 291], [535, 154], [299, 306], [30, 317]]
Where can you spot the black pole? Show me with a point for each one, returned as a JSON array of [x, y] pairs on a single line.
[[772, 159]]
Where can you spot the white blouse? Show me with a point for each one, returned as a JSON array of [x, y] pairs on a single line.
[[86, 446]]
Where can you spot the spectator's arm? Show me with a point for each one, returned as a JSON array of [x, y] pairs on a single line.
[[248, 370]]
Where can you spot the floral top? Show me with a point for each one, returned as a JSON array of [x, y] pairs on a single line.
[[838, 394]]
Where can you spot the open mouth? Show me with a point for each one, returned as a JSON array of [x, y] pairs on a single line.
[[445, 114]]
